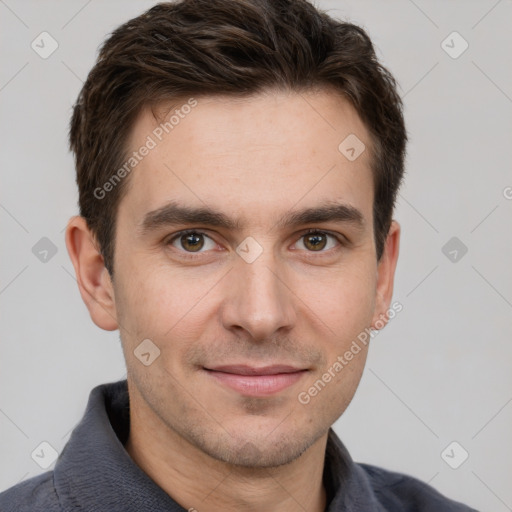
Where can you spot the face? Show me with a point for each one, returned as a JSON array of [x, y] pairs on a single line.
[[255, 303]]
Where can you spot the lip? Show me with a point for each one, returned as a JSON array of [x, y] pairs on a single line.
[[251, 381]]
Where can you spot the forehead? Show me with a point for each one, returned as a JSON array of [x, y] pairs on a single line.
[[249, 156]]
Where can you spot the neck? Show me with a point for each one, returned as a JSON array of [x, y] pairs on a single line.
[[172, 463]]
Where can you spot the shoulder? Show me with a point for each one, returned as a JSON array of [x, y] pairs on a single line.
[[36, 494], [404, 493]]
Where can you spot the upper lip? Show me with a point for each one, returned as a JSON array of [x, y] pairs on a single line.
[[242, 369]]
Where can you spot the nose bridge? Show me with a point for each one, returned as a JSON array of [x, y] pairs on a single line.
[[259, 301]]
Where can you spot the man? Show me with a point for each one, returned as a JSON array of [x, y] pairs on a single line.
[[237, 164]]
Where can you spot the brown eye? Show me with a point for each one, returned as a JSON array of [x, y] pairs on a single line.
[[315, 241], [318, 241], [191, 241]]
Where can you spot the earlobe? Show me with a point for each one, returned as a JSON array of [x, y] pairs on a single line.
[[386, 276], [92, 277]]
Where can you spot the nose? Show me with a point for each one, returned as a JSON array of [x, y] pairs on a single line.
[[259, 299]]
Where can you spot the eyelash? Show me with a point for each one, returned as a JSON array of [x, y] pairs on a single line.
[[192, 255]]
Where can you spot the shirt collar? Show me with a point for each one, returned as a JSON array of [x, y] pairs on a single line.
[[95, 472], [348, 488]]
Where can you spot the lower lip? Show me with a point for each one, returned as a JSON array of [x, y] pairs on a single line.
[[257, 385]]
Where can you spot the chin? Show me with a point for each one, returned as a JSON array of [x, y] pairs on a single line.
[[257, 451]]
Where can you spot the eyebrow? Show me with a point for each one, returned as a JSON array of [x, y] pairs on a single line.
[[173, 213]]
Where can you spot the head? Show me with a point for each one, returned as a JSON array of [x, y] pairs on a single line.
[[228, 118]]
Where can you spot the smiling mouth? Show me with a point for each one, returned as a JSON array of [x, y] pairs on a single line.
[[252, 381]]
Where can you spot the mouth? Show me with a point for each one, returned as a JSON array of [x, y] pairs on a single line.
[[254, 381]]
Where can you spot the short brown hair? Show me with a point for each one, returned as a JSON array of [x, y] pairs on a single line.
[[228, 47]]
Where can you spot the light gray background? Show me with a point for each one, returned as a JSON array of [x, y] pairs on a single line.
[[441, 370]]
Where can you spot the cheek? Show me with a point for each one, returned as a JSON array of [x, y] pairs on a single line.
[[163, 304], [346, 382], [343, 299]]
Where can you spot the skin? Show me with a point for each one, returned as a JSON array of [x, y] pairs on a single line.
[[254, 159]]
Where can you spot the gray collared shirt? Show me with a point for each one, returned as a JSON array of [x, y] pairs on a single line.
[[94, 473]]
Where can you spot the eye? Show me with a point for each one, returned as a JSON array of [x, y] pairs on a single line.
[[316, 241], [191, 241]]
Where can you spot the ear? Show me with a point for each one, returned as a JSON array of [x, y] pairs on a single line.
[[386, 276], [92, 276]]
